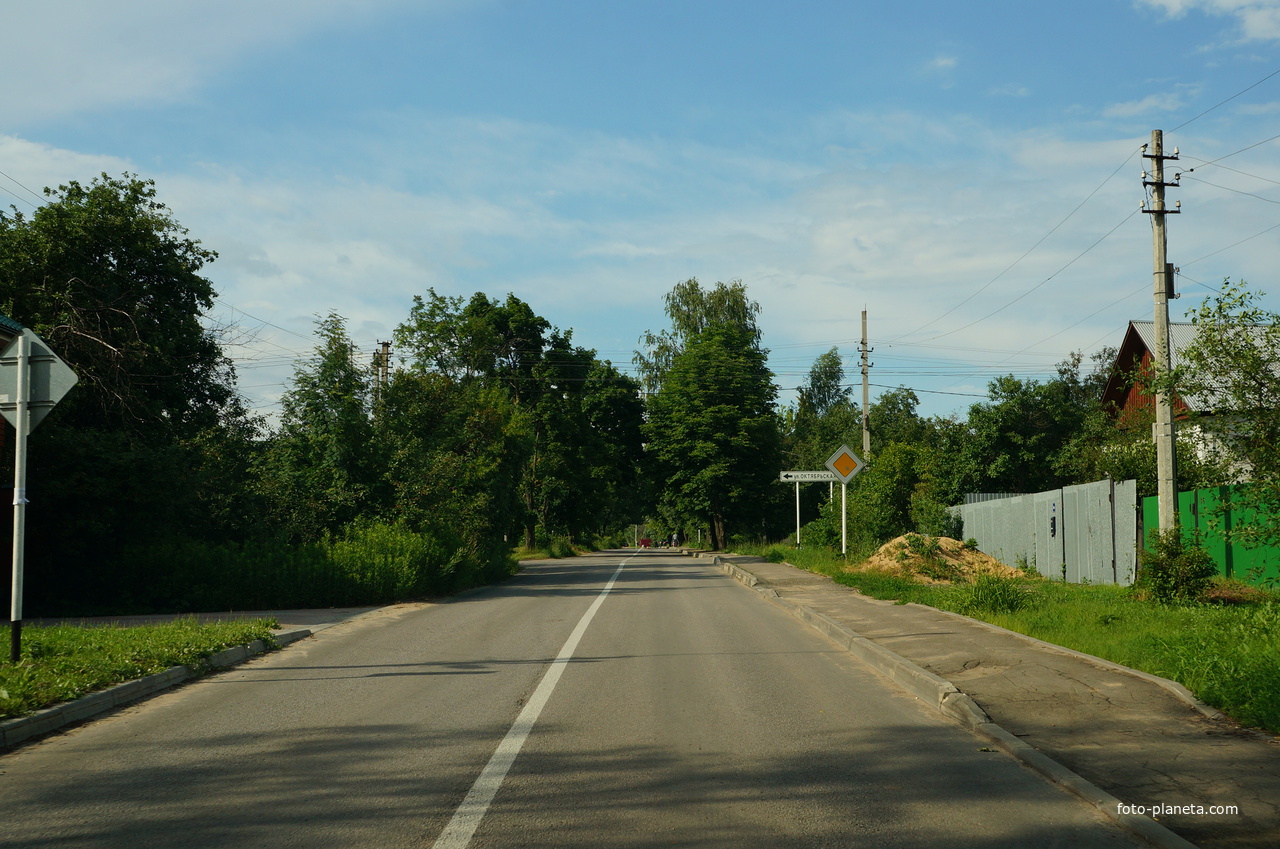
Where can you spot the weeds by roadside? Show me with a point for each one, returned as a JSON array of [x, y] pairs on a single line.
[[552, 549], [64, 662], [994, 594]]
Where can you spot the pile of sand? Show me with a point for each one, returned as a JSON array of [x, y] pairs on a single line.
[[951, 562]]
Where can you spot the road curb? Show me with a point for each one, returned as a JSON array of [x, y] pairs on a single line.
[[1172, 687], [950, 701], [42, 722]]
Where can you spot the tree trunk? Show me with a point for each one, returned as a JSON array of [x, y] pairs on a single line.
[[718, 541]]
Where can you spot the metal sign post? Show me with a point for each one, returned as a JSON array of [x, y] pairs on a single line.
[[844, 519], [798, 477], [844, 464], [23, 427], [32, 380]]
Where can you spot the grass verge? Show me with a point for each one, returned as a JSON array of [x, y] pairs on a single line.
[[64, 662], [1227, 654]]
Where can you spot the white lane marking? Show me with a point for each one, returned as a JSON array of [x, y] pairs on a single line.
[[457, 834]]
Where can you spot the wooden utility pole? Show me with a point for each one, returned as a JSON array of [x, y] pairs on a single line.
[[1164, 429], [866, 392]]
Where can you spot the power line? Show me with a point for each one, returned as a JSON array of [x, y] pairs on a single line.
[[29, 191], [1229, 189], [1041, 283], [1232, 170], [1028, 252], [1225, 102], [1229, 247]]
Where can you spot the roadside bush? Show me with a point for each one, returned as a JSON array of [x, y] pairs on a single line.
[[994, 594], [1175, 568], [368, 563], [776, 554], [389, 561], [560, 547], [825, 530]]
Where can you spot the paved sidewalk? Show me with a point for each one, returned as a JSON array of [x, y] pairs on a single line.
[[1117, 728]]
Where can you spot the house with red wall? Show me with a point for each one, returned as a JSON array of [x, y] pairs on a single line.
[[1128, 398]]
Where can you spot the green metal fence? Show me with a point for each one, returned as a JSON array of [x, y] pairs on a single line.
[[1210, 512]]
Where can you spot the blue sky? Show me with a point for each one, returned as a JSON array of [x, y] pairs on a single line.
[[969, 173]]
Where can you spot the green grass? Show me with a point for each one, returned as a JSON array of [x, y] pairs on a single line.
[[1227, 654], [64, 662]]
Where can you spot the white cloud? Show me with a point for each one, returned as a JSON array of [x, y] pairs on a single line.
[[30, 167], [902, 213], [1258, 20], [1169, 101], [66, 56], [1258, 108], [1010, 90]]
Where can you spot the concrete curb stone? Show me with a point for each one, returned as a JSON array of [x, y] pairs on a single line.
[[42, 722], [949, 700]]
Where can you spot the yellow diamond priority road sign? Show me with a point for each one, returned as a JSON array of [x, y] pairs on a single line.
[[844, 464]]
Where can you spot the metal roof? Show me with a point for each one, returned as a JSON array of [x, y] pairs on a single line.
[[1181, 336], [9, 329]]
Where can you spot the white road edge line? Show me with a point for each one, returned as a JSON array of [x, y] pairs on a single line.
[[466, 819]]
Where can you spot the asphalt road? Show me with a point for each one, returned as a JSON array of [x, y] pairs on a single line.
[[677, 709]]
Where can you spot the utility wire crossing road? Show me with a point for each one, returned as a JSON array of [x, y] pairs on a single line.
[[621, 699]]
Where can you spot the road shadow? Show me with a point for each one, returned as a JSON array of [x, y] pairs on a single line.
[[398, 784]]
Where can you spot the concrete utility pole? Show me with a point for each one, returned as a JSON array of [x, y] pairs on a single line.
[[384, 365], [866, 392], [1164, 430]]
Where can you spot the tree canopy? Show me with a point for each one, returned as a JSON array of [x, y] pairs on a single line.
[[1232, 372], [712, 430], [107, 276]]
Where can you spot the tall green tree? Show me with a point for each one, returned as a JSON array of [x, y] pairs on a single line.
[[824, 415], [824, 388], [554, 382], [321, 472], [479, 340], [612, 405], [712, 430], [823, 418], [1015, 441], [154, 430], [893, 419], [111, 280], [455, 453], [693, 311]]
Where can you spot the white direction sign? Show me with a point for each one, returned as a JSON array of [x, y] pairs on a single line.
[[807, 477], [844, 464], [48, 378]]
